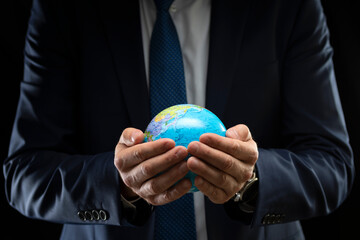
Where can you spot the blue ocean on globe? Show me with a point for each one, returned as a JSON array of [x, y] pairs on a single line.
[[184, 123]]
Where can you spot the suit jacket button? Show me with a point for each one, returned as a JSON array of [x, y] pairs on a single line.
[[89, 216], [82, 216], [271, 219], [103, 215], [266, 219], [278, 218], [96, 215]]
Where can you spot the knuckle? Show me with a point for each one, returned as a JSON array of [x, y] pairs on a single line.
[[223, 181], [235, 146], [156, 199], [153, 188], [253, 156], [168, 197], [216, 197], [147, 170], [118, 162], [118, 148], [228, 186], [248, 174], [212, 192], [168, 158], [138, 154], [128, 180], [228, 163]]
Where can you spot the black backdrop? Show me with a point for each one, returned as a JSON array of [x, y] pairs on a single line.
[[345, 38]]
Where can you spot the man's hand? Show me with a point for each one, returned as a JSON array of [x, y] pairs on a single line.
[[223, 164], [150, 170]]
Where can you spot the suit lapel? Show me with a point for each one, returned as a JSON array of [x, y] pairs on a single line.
[[123, 31], [228, 19]]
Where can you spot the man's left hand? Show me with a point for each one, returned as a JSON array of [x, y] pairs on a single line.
[[223, 164]]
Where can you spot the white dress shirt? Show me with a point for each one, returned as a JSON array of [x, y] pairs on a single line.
[[192, 22]]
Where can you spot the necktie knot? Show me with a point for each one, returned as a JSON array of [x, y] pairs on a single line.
[[163, 5]]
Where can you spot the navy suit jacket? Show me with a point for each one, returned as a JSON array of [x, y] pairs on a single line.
[[270, 67]]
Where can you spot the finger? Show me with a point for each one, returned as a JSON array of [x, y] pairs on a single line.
[[126, 158], [128, 138], [131, 136], [215, 194], [164, 181], [154, 166], [244, 151], [174, 193], [214, 176], [216, 158], [240, 132]]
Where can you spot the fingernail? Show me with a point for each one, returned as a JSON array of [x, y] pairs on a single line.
[[133, 137], [234, 133]]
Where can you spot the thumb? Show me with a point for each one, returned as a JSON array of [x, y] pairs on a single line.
[[131, 137], [240, 132]]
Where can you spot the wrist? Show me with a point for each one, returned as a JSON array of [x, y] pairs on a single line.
[[247, 196], [243, 210], [247, 192]]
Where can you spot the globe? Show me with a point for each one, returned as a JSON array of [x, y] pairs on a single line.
[[184, 123]]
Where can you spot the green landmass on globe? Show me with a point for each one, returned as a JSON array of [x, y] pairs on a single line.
[[184, 124]]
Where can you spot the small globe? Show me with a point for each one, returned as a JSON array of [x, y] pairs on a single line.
[[184, 123]]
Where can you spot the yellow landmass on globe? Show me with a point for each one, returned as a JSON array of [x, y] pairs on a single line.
[[172, 111]]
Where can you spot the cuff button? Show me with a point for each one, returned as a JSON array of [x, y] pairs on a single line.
[[103, 215], [89, 216], [82, 216], [95, 215]]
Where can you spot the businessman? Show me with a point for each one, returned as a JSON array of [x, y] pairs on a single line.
[[263, 67]]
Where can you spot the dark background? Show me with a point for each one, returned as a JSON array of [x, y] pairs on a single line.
[[344, 25]]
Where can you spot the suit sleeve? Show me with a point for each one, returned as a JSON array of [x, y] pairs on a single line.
[[313, 174], [47, 176]]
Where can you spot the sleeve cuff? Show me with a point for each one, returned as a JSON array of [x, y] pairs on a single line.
[[136, 211]]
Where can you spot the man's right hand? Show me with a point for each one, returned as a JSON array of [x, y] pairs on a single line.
[[151, 169]]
